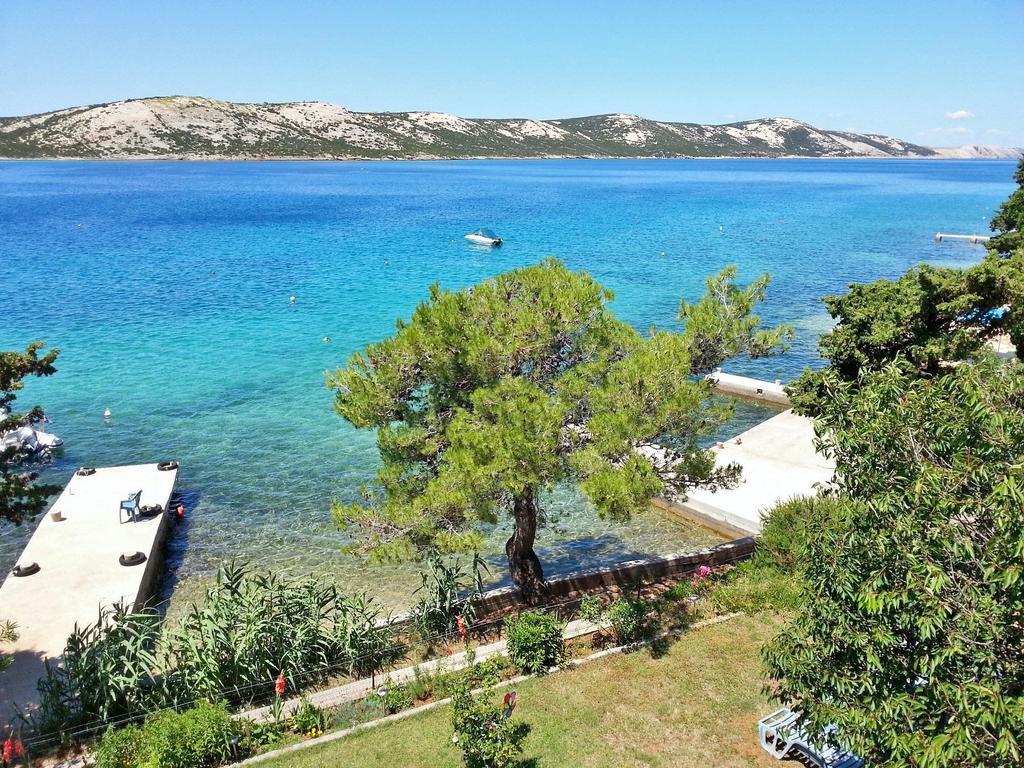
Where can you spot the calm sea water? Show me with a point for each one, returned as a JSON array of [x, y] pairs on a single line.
[[166, 286]]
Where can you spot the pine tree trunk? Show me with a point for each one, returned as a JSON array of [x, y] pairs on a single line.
[[523, 564]]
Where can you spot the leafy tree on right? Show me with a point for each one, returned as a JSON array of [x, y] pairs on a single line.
[[910, 638]]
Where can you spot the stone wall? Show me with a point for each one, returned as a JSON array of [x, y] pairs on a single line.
[[624, 576]]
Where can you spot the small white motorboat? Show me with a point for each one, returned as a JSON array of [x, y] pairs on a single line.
[[25, 438], [28, 439], [484, 237]]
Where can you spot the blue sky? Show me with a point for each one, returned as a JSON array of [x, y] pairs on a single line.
[[938, 72]]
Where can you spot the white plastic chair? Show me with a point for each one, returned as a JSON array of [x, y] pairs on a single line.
[[779, 733]]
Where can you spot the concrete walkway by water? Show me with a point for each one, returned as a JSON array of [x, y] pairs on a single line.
[[779, 461], [79, 569]]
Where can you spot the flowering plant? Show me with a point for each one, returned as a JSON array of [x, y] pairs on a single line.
[[277, 707], [308, 719], [486, 733], [701, 582], [12, 750]]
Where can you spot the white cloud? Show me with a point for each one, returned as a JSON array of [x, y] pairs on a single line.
[[960, 114]]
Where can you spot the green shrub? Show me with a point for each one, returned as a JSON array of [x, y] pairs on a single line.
[[785, 527], [108, 671], [677, 592], [249, 626], [486, 673], [751, 588], [591, 609], [8, 634], [772, 579], [198, 737], [394, 697], [120, 747], [423, 683], [480, 675], [307, 718], [447, 592], [630, 619], [535, 641], [232, 643], [487, 736], [257, 734]]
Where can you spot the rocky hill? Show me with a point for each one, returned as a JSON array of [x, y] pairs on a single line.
[[194, 127], [979, 152]]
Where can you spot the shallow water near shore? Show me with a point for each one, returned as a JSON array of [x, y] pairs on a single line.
[[167, 285]]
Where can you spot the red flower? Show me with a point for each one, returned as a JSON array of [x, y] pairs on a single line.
[[462, 627], [279, 684], [12, 749]]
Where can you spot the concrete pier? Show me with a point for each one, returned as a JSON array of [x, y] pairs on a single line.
[[973, 239], [730, 384], [80, 570], [779, 462]]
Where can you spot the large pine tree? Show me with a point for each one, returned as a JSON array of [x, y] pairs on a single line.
[[489, 395]]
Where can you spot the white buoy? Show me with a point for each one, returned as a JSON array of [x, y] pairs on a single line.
[[291, 299], [327, 339], [107, 414]]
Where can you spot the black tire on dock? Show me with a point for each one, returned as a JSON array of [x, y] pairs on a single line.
[[86, 471], [135, 558], [151, 510], [25, 570], [164, 466]]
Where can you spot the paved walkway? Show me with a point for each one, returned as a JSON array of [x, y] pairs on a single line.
[[341, 694]]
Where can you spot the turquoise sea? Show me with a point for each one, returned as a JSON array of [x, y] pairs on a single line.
[[167, 285]]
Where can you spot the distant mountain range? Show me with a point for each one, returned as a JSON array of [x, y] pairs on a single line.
[[192, 127]]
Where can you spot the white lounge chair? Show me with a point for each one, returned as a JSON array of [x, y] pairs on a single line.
[[780, 732]]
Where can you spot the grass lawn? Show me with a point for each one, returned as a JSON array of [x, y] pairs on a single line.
[[695, 704]]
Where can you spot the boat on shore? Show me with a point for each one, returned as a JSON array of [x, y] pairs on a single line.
[[25, 438], [484, 237]]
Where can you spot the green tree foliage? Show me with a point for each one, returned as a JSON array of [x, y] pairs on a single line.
[[20, 497], [487, 737], [921, 321], [910, 637], [490, 395], [1006, 255], [1008, 223], [772, 580]]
